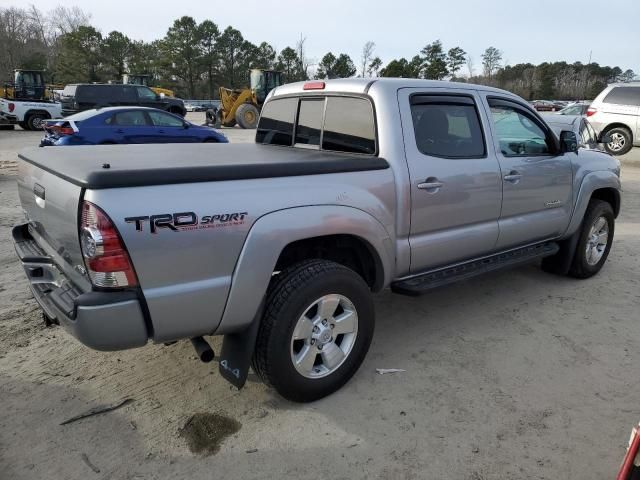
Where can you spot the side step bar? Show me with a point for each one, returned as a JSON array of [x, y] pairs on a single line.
[[436, 278]]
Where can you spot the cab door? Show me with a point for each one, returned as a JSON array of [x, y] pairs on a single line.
[[536, 177], [455, 184]]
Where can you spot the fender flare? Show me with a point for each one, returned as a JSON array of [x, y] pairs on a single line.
[[591, 182], [271, 233]]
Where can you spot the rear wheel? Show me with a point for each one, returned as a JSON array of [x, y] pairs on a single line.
[[247, 115], [621, 141], [35, 121], [316, 330]]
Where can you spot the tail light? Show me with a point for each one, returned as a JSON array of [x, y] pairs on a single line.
[[63, 130], [12, 107], [105, 257], [591, 111]]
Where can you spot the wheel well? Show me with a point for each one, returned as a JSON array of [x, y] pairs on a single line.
[[348, 250], [618, 125], [609, 195], [32, 112]]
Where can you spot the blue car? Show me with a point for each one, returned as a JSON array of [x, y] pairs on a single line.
[[123, 125]]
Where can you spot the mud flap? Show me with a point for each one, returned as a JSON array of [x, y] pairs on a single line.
[[560, 263], [237, 350]]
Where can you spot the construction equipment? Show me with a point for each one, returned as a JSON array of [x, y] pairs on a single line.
[[144, 79], [242, 106], [27, 101], [26, 85]]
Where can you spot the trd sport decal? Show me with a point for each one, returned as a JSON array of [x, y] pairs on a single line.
[[186, 221]]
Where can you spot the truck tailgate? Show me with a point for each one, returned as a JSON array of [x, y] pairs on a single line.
[[51, 205]]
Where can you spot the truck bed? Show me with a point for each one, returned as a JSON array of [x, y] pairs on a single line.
[[118, 166]]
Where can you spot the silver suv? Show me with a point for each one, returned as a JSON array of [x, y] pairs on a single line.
[[616, 113]]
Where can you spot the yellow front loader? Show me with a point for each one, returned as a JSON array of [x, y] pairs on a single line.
[[242, 106]]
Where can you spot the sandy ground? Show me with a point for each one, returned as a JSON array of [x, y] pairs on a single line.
[[514, 375]]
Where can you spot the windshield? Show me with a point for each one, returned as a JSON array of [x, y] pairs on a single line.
[[256, 79]]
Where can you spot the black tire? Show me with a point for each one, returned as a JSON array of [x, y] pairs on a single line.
[[34, 121], [289, 296], [623, 141], [247, 116], [107, 142], [580, 267], [210, 140]]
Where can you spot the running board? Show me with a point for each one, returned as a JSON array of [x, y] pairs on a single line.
[[436, 278]]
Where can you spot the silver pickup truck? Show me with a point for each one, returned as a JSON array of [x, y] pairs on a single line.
[[351, 186]]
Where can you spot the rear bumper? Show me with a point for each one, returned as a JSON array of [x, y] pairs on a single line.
[[7, 119], [101, 320]]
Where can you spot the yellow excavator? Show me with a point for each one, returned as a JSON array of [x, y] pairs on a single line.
[[242, 106], [144, 79]]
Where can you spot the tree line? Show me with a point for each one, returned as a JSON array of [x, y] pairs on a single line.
[[194, 59]]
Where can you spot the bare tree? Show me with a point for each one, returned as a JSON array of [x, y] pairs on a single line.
[[470, 65], [305, 63], [367, 54]]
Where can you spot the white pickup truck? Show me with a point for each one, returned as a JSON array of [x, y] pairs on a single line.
[[28, 114]]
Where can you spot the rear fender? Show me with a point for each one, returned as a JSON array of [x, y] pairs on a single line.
[[254, 269], [273, 232]]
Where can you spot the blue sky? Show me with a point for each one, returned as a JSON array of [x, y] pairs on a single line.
[[526, 31]]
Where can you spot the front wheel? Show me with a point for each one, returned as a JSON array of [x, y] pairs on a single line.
[[595, 240], [316, 330], [621, 141]]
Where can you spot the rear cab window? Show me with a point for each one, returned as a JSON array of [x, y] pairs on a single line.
[[332, 123]]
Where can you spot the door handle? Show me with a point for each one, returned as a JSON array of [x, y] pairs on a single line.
[[513, 177], [431, 185]]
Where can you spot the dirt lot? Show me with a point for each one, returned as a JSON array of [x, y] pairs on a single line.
[[514, 375]]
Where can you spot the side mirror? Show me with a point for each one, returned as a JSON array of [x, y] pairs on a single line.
[[568, 141], [185, 125], [606, 138]]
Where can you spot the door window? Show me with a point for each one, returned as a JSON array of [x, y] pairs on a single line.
[[623, 96], [128, 119], [161, 119], [518, 133], [146, 94], [447, 126]]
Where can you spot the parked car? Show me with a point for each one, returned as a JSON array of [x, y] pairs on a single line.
[[544, 106], [86, 96], [578, 108], [125, 125], [616, 113], [190, 107], [579, 125], [352, 185]]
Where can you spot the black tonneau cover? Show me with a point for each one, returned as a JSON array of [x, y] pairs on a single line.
[[117, 166]]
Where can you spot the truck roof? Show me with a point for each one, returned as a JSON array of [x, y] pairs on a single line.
[[363, 85]]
